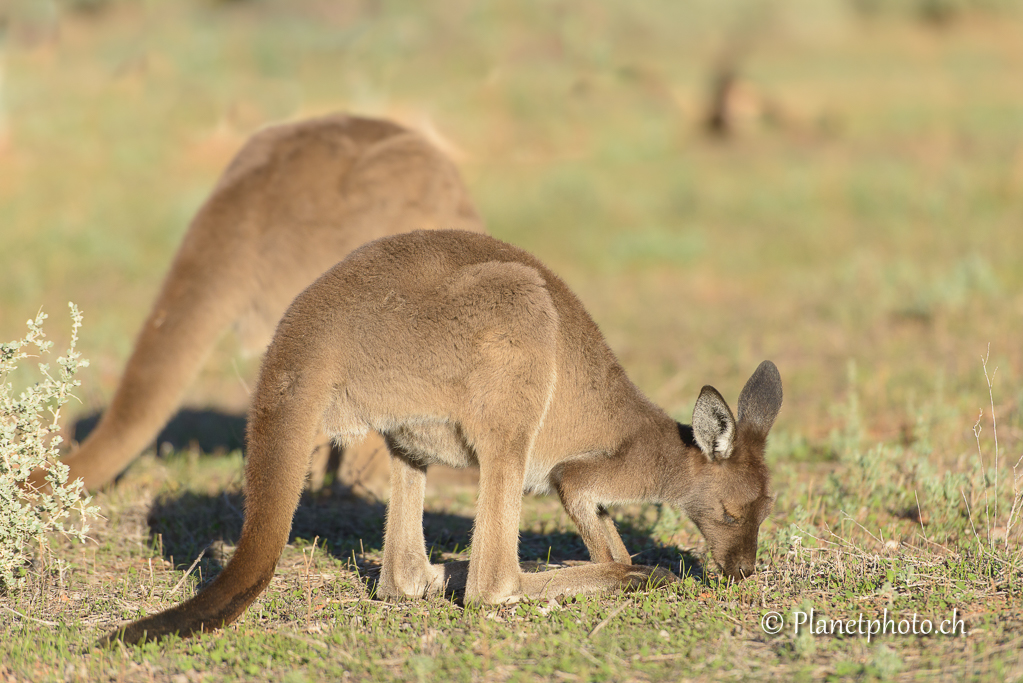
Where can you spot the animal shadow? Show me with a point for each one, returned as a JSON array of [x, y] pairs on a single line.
[[184, 525], [210, 431]]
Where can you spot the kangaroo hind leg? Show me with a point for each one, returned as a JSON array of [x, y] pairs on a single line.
[[509, 394], [494, 563], [406, 571]]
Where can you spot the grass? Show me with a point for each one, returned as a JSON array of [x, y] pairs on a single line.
[[317, 620], [864, 235]]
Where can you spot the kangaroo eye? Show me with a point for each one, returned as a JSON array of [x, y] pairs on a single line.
[[729, 519]]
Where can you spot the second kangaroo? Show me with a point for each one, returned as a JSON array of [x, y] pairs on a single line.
[[462, 349]]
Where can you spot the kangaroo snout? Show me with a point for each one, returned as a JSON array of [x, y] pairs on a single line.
[[740, 568], [736, 558]]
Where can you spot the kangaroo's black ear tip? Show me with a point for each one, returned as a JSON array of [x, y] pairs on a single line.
[[768, 369], [767, 375], [710, 392], [761, 398]]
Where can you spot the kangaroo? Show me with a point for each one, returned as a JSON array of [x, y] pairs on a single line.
[[462, 349], [294, 201]]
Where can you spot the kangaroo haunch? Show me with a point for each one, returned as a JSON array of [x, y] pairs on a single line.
[[294, 201], [462, 349]]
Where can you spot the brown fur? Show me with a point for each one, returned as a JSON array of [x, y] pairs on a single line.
[[461, 349], [294, 201]]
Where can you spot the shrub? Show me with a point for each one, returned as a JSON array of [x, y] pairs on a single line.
[[29, 439]]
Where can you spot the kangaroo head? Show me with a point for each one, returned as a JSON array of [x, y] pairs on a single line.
[[729, 496]]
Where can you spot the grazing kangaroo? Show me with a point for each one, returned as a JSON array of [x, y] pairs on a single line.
[[462, 349], [294, 201]]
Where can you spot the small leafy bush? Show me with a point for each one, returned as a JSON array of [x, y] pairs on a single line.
[[29, 440]]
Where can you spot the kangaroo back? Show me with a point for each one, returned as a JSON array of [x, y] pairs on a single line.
[[295, 200]]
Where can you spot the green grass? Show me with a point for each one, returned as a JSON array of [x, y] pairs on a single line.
[[865, 236]]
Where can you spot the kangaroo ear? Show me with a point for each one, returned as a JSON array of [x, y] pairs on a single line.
[[713, 425], [760, 399]]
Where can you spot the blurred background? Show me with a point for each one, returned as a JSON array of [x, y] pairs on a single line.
[[836, 185]]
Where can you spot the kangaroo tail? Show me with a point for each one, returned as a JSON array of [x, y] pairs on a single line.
[[205, 290], [282, 431]]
